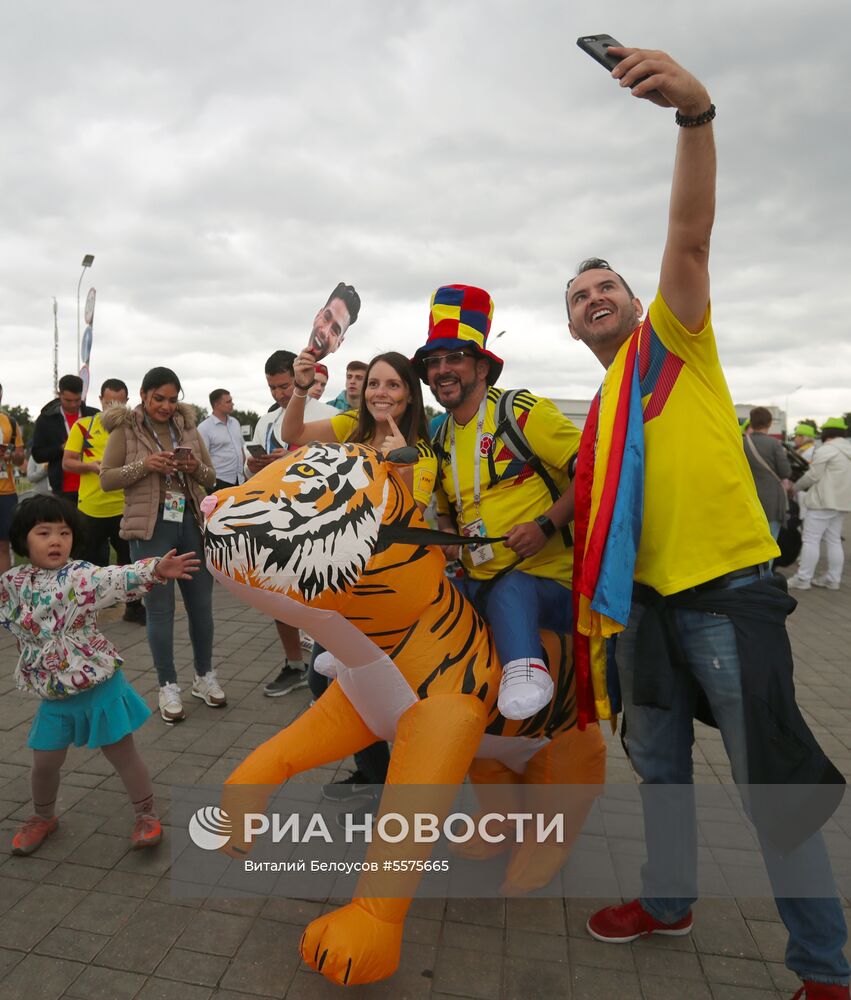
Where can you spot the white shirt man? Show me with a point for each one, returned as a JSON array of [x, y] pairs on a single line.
[[223, 436]]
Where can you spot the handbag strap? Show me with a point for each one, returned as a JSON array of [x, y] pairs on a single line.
[[760, 459]]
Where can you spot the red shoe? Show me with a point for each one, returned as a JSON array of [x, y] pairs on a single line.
[[822, 991], [147, 832], [624, 923], [33, 834]]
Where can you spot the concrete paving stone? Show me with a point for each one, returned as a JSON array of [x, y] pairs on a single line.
[[267, 960], [719, 929], [725, 992], [669, 988], [65, 942], [434, 909], [101, 912], [78, 876], [248, 906], [143, 941], [11, 890], [666, 963], [37, 913], [216, 933], [31, 869], [8, 960], [536, 947], [770, 938], [594, 984], [785, 981], [488, 912], [127, 883], [723, 969], [462, 973], [192, 967], [39, 977], [74, 829], [151, 861], [421, 931], [101, 851], [762, 908], [292, 911], [167, 989], [546, 916], [524, 978], [596, 955], [473, 937]]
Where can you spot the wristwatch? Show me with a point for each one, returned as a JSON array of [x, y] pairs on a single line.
[[546, 525]]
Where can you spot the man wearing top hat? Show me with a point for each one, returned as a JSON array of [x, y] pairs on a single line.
[[522, 584]]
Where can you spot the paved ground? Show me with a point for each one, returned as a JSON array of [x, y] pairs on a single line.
[[85, 918]]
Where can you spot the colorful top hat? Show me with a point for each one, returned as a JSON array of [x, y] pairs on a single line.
[[459, 317]]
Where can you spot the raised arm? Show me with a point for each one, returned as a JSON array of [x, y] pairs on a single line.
[[293, 429], [684, 278]]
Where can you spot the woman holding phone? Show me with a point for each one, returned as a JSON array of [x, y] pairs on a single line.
[[391, 416], [156, 455]]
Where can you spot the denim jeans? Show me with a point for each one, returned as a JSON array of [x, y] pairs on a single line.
[[197, 595], [517, 607], [659, 742]]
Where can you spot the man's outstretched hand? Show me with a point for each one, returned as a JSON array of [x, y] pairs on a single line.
[[663, 81]]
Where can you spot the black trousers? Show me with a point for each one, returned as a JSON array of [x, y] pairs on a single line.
[[100, 531]]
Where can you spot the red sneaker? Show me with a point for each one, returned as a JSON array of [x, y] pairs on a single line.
[[33, 834], [624, 923], [822, 991], [147, 831]]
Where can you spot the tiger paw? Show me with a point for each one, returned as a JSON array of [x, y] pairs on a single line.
[[526, 687], [479, 849], [532, 866], [352, 946], [327, 665]]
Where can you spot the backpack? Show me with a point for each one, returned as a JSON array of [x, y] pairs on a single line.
[[509, 431]]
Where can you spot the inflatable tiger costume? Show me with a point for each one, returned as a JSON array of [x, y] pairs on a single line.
[[309, 541]]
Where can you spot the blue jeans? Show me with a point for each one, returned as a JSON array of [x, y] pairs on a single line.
[[659, 742], [197, 595], [517, 607]]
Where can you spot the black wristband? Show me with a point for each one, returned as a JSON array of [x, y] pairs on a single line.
[[704, 118], [546, 525], [304, 388]]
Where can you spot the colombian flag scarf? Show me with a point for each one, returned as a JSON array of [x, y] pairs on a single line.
[[609, 492]]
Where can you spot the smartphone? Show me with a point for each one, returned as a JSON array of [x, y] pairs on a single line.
[[256, 450], [182, 454], [597, 46]]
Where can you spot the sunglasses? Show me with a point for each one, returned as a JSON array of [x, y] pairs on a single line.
[[453, 359]]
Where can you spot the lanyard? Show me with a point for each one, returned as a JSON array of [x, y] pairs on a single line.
[[477, 461], [173, 433]]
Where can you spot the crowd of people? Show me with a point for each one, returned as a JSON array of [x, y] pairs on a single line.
[[650, 534]]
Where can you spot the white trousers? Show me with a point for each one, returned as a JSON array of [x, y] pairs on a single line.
[[817, 524]]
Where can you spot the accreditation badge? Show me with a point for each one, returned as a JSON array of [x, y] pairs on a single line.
[[174, 506], [478, 553]]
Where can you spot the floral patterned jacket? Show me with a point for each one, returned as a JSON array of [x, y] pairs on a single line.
[[53, 616]]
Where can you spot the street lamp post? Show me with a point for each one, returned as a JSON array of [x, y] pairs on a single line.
[[88, 260], [788, 394]]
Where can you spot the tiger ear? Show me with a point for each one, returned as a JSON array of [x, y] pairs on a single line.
[[402, 456]]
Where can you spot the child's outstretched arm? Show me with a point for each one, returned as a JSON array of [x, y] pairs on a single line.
[[99, 587]]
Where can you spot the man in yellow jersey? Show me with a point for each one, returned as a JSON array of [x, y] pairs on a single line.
[[101, 512], [11, 455], [522, 584], [700, 564]]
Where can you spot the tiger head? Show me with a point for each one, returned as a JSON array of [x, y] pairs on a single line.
[[305, 525]]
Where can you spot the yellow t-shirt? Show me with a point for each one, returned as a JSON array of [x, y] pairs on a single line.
[[7, 475], [702, 517], [519, 494], [88, 437], [425, 471]]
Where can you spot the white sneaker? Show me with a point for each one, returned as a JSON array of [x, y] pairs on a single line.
[[306, 644], [822, 581], [526, 687], [796, 583], [171, 707], [206, 687]]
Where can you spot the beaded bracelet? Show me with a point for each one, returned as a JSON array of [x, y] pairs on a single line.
[[301, 395], [704, 118]]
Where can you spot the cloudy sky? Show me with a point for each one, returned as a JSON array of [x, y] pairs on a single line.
[[228, 163]]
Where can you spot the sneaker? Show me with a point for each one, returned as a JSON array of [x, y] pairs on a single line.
[[206, 687], [822, 581], [306, 645], [147, 831], [796, 583], [171, 707], [33, 834], [354, 787], [526, 687], [289, 679], [624, 923], [821, 991], [135, 613], [357, 817]]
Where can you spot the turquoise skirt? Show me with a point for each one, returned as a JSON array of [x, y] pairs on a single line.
[[95, 718]]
